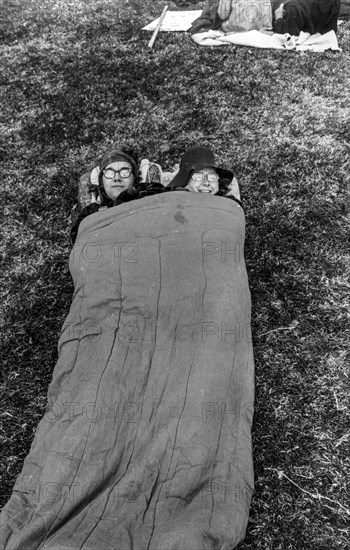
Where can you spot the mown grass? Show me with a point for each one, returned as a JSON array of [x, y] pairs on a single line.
[[77, 77]]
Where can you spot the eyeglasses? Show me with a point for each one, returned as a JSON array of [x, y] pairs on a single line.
[[124, 173], [200, 177]]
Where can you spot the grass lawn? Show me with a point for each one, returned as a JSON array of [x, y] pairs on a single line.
[[76, 78]]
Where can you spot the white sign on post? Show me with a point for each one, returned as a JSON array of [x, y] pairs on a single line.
[[175, 21]]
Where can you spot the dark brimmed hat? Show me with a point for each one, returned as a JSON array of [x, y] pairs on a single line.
[[194, 159]]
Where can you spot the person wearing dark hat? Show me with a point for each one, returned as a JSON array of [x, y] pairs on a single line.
[[112, 182], [199, 173]]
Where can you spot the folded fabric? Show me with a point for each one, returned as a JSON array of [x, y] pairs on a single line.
[[258, 39]]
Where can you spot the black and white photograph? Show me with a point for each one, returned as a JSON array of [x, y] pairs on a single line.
[[175, 275]]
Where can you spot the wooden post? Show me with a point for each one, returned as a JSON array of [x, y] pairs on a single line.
[[156, 31]]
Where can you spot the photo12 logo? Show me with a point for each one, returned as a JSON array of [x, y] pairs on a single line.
[[117, 252], [221, 251], [93, 412], [226, 332], [224, 412]]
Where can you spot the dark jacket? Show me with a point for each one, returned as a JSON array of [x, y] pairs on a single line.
[[220, 193], [310, 16], [95, 207]]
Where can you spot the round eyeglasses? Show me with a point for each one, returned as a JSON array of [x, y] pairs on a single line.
[[124, 173], [198, 176]]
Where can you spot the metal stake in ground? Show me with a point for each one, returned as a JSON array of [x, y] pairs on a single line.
[[156, 31]]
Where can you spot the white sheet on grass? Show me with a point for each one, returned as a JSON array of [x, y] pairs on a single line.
[[257, 39]]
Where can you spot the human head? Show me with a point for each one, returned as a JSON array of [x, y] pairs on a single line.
[[116, 160], [199, 160], [204, 181]]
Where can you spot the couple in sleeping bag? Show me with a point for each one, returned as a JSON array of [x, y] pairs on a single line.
[[146, 439]]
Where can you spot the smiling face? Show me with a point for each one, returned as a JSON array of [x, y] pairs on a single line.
[[116, 178], [204, 181]]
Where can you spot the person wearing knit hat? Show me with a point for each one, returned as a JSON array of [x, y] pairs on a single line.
[[118, 173], [199, 173], [112, 182]]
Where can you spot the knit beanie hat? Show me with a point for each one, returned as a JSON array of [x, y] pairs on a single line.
[[122, 153], [118, 155], [195, 159]]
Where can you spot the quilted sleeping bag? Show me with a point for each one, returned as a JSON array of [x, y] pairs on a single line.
[[146, 441]]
